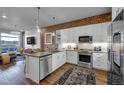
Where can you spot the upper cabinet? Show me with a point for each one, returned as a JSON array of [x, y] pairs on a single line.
[[116, 11], [97, 31], [69, 35], [64, 34], [58, 36], [100, 32]]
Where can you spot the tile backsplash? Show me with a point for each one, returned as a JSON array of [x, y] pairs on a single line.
[[69, 46], [102, 45], [86, 46]]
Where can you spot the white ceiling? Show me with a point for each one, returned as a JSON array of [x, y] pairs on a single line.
[[19, 18]]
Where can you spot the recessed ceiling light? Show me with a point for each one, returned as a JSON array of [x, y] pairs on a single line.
[[4, 16]]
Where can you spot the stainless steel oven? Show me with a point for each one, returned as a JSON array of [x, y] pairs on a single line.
[[85, 59]]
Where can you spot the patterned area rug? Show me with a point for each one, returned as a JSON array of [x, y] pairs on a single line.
[[77, 76]]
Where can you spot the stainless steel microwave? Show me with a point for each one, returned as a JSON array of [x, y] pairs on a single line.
[[85, 39]]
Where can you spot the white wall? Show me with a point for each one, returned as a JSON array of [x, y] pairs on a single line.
[[37, 37]]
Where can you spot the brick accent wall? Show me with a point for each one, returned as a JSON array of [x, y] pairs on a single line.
[[82, 22]]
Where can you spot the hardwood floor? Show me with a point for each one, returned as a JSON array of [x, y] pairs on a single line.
[[101, 76], [13, 74]]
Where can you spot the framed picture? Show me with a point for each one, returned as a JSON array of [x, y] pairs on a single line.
[[48, 38]]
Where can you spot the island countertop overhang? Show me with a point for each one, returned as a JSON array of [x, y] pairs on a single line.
[[39, 54]]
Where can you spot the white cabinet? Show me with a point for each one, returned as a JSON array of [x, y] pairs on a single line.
[[58, 36], [100, 61], [69, 35], [34, 69], [100, 32], [26, 68], [64, 34], [116, 11], [58, 59], [72, 57], [73, 35], [104, 30], [96, 32], [81, 31], [63, 57], [37, 68], [55, 63], [59, 39]]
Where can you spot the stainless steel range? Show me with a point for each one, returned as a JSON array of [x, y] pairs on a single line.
[[85, 58], [85, 51]]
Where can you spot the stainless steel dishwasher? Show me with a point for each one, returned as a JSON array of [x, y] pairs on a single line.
[[45, 66]]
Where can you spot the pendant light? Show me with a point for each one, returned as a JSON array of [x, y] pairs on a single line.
[[4, 14], [53, 34], [38, 14]]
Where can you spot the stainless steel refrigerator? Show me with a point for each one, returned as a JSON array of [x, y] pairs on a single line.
[[116, 51]]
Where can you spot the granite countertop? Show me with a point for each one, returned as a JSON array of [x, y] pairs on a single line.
[[99, 51], [43, 54], [90, 51], [39, 54], [71, 50]]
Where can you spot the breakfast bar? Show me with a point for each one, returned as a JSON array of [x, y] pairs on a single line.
[[38, 65]]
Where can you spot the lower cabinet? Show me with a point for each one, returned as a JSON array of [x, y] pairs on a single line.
[[38, 68], [72, 57], [26, 67], [58, 59], [34, 69], [100, 61]]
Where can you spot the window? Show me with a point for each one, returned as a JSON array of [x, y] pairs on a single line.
[[9, 39], [9, 42]]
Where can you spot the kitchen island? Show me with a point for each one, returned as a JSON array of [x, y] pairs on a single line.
[[38, 65]]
